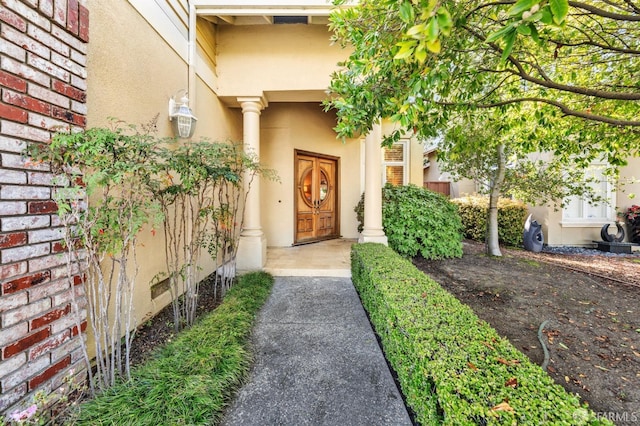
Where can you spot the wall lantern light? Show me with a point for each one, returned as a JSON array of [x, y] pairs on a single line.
[[182, 119]]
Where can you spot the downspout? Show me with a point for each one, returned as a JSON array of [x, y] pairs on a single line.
[[191, 58]]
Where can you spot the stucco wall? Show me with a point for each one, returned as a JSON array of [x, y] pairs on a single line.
[[253, 59], [133, 73]]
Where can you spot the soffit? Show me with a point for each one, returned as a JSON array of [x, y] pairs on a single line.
[[262, 12]]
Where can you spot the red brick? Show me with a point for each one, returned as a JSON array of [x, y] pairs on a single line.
[[13, 240], [68, 116], [27, 102], [12, 19], [49, 317], [12, 82], [50, 372], [69, 91], [25, 282], [78, 279], [83, 328], [40, 207], [72, 17], [14, 114], [58, 247], [83, 32], [25, 343]]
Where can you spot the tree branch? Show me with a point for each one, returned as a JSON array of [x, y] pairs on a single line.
[[565, 109], [550, 84], [604, 13]]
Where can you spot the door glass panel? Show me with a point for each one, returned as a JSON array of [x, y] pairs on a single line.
[[324, 186], [307, 190]]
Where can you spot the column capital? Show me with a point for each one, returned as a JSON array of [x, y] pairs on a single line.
[[252, 103]]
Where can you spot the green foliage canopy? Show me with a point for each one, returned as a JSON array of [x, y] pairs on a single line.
[[421, 62]]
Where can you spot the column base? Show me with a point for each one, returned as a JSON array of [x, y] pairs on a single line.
[[252, 253], [381, 239]]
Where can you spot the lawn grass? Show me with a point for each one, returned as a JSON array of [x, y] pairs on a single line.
[[192, 379]]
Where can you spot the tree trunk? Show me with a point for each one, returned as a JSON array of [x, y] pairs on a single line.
[[493, 246]]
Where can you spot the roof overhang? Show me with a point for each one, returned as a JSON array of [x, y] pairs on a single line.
[[238, 12]]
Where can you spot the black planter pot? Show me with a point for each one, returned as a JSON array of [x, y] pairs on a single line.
[[634, 231]]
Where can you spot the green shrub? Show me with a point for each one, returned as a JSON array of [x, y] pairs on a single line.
[[191, 380], [418, 221], [473, 211], [453, 368]]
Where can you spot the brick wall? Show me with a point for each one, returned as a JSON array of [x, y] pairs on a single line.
[[43, 80]]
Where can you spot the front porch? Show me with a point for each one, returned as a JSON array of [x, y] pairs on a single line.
[[329, 258]]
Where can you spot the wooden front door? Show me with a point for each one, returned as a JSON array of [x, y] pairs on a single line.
[[316, 197]]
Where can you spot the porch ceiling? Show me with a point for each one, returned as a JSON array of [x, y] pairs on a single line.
[[262, 12]]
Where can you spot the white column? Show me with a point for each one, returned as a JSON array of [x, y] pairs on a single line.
[[372, 231], [252, 247]]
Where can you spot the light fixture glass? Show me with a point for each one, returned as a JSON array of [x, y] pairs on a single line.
[[182, 119]]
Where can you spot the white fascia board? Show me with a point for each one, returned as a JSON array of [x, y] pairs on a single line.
[[160, 22], [206, 73]]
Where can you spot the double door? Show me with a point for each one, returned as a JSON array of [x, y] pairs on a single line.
[[316, 197]]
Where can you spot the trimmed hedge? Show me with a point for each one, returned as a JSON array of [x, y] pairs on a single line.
[[418, 221], [473, 211], [453, 368], [193, 378]]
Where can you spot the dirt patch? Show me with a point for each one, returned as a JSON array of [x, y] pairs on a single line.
[[593, 333]]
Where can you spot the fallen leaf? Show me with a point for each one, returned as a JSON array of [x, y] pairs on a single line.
[[567, 379], [489, 346], [509, 363], [601, 368], [503, 406], [563, 346], [511, 383], [551, 369], [471, 366]]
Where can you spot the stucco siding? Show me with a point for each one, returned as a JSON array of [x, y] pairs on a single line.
[[256, 59], [133, 72]]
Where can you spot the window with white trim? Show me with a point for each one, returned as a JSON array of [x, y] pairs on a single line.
[[395, 168], [579, 211]]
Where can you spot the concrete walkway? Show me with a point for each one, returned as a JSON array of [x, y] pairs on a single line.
[[317, 361]]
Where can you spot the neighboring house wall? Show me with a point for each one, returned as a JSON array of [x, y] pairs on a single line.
[[556, 228], [43, 78], [558, 231], [433, 173]]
